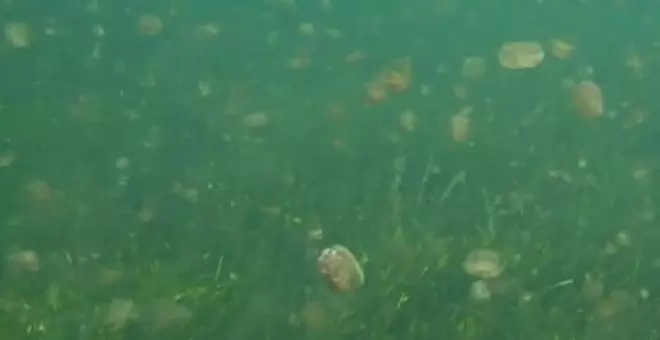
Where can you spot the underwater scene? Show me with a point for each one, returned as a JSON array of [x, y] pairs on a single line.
[[330, 169]]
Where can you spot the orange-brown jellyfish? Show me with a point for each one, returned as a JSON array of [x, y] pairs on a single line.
[[460, 124], [588, 99], [376, 93], [340, 269], [397, 76]]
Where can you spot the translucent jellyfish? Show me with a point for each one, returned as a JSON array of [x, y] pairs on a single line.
[[150, 24], [460, 124], [474, 68], [314, 316], [23, 261], [588, 99], [39, 190], [592, 288], [306, 28], [618, 301], [376, 93], [397, 76], [479, 291], [119, 313], [256, 120], [340, 269], [521, 55], [561, 49], [166, 313], [18, 34], [7, 159], [483, 263], [408, 120]]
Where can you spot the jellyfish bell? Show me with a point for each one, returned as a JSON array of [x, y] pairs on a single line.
[[397, 76], [340, 269], [23, 261], [484, 264], [315, 316], [588, 99], [18, 34], [592, 288], [473, 68], [460, 124], [561, 48], [150, 24], [521, 54], [397, 81], [479, 291], [376, 93]]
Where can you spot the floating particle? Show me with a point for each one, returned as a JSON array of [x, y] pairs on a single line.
[[561, 49], [588, 99], [521, 55], [150, 24], [340, 269], [483, 263], [18, 34], [474, 68]]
